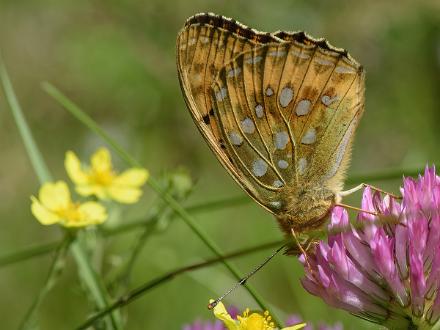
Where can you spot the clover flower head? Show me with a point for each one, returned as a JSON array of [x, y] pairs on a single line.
[[101, 180], [386, 272], [54, 205]]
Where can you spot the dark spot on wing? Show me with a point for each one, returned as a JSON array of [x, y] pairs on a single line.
[[206, 119]]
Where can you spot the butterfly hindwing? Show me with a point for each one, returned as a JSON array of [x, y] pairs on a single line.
[[332, 154]]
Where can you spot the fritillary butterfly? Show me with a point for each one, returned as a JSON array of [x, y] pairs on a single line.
[[279, 110]]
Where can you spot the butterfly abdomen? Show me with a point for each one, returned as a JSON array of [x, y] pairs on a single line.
[[306, 208]]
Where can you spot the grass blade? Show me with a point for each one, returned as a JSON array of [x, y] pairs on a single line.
[[87, 121], [93, 283], [27, 253], [30, 319], [31, 147], [43, 175]]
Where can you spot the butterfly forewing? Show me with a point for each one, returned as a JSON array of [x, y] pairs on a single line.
[[204, 46]]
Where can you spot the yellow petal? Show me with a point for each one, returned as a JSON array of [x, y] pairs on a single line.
[[94, 211], [43, 215], [101, 160], [91, 213], [134, 177], [88, 190], [55, 196], [222, 314], [73, 168], [296, 327], [125, 195]]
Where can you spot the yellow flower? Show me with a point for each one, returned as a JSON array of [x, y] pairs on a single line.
[[101, 180], [54, 205], [249, 321]]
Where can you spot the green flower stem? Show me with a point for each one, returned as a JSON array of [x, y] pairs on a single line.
[[32, 150], [148, 229], [30, 319], [44, 175], [144, 288], [184, 215], [28, 253], [94, 283]]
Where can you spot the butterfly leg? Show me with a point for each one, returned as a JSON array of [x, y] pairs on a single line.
[[363, 185], [300, 247], [380, 220], [345, 206]]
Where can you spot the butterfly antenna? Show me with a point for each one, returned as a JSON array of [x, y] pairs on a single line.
[[243, 280]]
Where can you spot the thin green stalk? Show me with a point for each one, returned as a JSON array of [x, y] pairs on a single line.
[[162, 279], [148, 230], [26, 134], [184, 215], [88, 121], [30, 319], [94, 283], [28, 253], [41, 171]]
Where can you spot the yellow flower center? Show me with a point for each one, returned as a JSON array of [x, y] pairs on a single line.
[[102, 178], [70, 213], [256, 321]]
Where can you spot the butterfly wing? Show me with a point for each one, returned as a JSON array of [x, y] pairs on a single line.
[[278, 110], [342, 104], [287, 113], [206, 43]]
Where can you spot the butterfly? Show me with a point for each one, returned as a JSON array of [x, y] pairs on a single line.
[[279, 110]]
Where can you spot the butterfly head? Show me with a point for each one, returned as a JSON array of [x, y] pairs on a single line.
[[306, 208]]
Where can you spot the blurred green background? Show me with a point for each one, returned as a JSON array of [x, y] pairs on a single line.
[[116, 59]]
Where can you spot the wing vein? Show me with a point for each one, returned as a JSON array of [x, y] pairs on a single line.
[[254, 117], [319, 96], [231, 147]]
